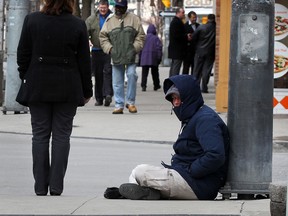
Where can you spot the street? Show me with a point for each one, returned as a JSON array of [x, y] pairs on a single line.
[[94, 164]]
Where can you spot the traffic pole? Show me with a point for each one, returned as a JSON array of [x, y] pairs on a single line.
[[2, 14], [250, 103], [17, 10]]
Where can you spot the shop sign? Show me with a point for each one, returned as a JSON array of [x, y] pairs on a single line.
[[198, 3], [280, 102], [281, 41]]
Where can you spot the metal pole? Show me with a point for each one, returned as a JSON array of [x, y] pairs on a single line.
[[1, 76], [2, 15], [250, 109], [17, 10], [138, 8]]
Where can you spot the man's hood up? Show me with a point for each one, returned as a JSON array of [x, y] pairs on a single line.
[[151, 29], [190, 94]]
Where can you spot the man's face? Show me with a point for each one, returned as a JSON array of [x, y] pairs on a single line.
[[176, 100], [103, 9], [181, 14], [193, 19], [119, 11]]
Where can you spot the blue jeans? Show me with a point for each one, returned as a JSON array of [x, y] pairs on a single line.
[[118, 79]]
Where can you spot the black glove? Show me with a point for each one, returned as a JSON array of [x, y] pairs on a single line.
[[113, 193]]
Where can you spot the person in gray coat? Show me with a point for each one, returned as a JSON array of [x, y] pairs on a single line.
[[205, 39], [101, 62]]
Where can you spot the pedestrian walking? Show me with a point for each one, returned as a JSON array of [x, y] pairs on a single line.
[[54, 65], [122, 36], [101, 62], [205, 39], [151, 56]]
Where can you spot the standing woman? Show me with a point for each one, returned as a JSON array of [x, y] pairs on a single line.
[[54, 66], [151, 56]]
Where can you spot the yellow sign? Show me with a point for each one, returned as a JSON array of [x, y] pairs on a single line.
[[166, 3], [204, 19]]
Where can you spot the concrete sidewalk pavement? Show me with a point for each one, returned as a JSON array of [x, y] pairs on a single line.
[[104, 149], [154, 121]]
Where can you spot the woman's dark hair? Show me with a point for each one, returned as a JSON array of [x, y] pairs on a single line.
[[56, 7]]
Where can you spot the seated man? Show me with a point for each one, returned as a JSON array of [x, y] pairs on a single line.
[[199, 166]]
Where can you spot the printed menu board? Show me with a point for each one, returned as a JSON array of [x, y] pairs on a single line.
[[281, 44]]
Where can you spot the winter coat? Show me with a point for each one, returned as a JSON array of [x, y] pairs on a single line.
[[201, 150], [151, 54], [177, 39], [126, 36], [93, 27], [205, 39], [54, 59], [191, 45]]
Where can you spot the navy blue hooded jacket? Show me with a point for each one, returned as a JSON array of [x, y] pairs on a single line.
[[201, 150]]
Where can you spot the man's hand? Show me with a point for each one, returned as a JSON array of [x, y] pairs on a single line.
[[189, 36]]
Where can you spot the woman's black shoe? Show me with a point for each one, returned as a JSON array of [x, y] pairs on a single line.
[[156, 88], [41, 193], [54, 193]]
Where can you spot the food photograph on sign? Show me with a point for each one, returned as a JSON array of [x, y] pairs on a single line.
[[281, 22], [280, 59]]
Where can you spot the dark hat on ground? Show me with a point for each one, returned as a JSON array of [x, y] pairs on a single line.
[[121, 3], [171, 90]]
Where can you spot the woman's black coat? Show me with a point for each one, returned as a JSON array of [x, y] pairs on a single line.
[[54, 59]]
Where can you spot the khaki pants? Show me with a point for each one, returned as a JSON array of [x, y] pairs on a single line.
[[169, 182]]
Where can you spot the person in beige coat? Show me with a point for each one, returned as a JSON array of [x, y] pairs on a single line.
[[122, 36]]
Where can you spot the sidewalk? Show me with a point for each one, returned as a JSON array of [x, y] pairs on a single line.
[[104, 149], [153, 122]]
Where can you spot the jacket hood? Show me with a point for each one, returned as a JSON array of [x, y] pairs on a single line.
[[190, 94], [151, 29]]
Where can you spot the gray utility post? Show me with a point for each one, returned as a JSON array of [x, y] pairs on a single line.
[[2, 15], [17, 10], [250, 108]]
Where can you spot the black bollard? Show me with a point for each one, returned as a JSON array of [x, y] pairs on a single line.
[[250, 105]]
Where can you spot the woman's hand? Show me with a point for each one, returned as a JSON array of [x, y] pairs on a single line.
[[86, 100]]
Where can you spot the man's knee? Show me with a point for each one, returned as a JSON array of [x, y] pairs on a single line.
[[139, 171]]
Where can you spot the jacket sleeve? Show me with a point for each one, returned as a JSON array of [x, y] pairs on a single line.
[[159, 49], [104, 38], [24, 50], [196, 33], [83, 58], [140, 37], [210, 137], [88, 26], [177, 30]]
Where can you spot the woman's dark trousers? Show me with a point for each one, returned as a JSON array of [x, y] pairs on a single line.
[[51, 120], [155, 76]]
